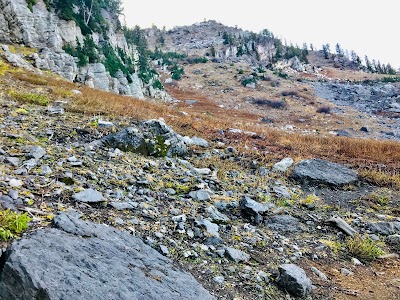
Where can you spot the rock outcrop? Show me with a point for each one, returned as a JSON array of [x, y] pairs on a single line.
[[42, 30], [84, 260]]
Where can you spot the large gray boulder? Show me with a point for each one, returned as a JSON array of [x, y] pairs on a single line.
[[152, 137], [323, 172], [83, 260], [294, 280]]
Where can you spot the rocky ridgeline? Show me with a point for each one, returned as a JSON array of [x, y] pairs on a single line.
[[45, 32], [240, 231]]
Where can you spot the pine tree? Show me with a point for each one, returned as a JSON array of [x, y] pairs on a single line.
[[326, 49]]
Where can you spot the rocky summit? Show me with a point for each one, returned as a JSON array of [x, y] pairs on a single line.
[[201, 162]]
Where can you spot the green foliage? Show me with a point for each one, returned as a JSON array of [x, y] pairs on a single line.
[[31, 3], [391, 79], [228, 38], [248, 80], [157, 85], [161, 147], [87, 13], [30, 97], [364, 247], [197, 60], [177, 72], [12, 224], [167, 58]]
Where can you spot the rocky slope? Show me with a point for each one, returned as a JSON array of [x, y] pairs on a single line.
[[243, 228]]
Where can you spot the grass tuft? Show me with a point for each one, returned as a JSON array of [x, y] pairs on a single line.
[[364, 247], [33, 98], [12, 224]]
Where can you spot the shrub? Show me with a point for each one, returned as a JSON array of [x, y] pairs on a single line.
[[12, 224], [324, 110], [290, 93], [277, 104], [248, 80], [177, 72], [364, 247], [30, 98], [157, 85]]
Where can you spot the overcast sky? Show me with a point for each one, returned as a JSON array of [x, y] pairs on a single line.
[[365, 26]]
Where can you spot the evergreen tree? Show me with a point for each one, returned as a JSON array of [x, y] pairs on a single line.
[[339, 50], [326, 50], [368, 64]]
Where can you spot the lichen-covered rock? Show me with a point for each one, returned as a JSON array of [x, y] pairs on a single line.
[[294, 280]]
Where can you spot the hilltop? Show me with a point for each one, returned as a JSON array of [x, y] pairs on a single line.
[[254, 176]]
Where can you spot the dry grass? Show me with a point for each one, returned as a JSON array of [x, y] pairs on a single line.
[[206, 118]]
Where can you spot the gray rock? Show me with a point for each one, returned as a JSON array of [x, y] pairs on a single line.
[[385, 228], [213, 240], [394, 239], [128, 139], [105, 264], [252, 209], [200, 195], [320, 274], [294, 280], [324, 172], [283, 165], [14, 161], [283, 223], [88, 196], [200, 142], [216, 215], [236, 255], [36, 152], [211, 228], [282, 192]]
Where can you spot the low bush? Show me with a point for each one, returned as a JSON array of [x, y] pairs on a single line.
[[277, 104], [324, 110], [290, 93]]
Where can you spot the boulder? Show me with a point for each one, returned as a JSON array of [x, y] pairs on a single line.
[[323, 172], [294, 280], [83, 260]]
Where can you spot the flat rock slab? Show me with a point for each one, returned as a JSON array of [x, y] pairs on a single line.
[[83, 260], [88, 196], [323, 172]]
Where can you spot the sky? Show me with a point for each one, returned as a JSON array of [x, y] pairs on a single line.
[[368, 27]]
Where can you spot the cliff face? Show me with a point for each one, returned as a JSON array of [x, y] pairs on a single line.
[[42, 29]]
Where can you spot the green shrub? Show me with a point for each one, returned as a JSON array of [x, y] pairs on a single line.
[[364, 247], [12, 224], [158, 85], [177, 72], [30, 98], [31, 3]]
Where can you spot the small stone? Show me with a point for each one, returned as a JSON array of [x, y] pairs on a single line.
[[283, 165], [294, 280], [15, 183], [319, 273], [219, 279], [236, 255], [346, 272], [164, 250], [14, 161], [200, 195], [36, 152], [356, 262], [88, 196]]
